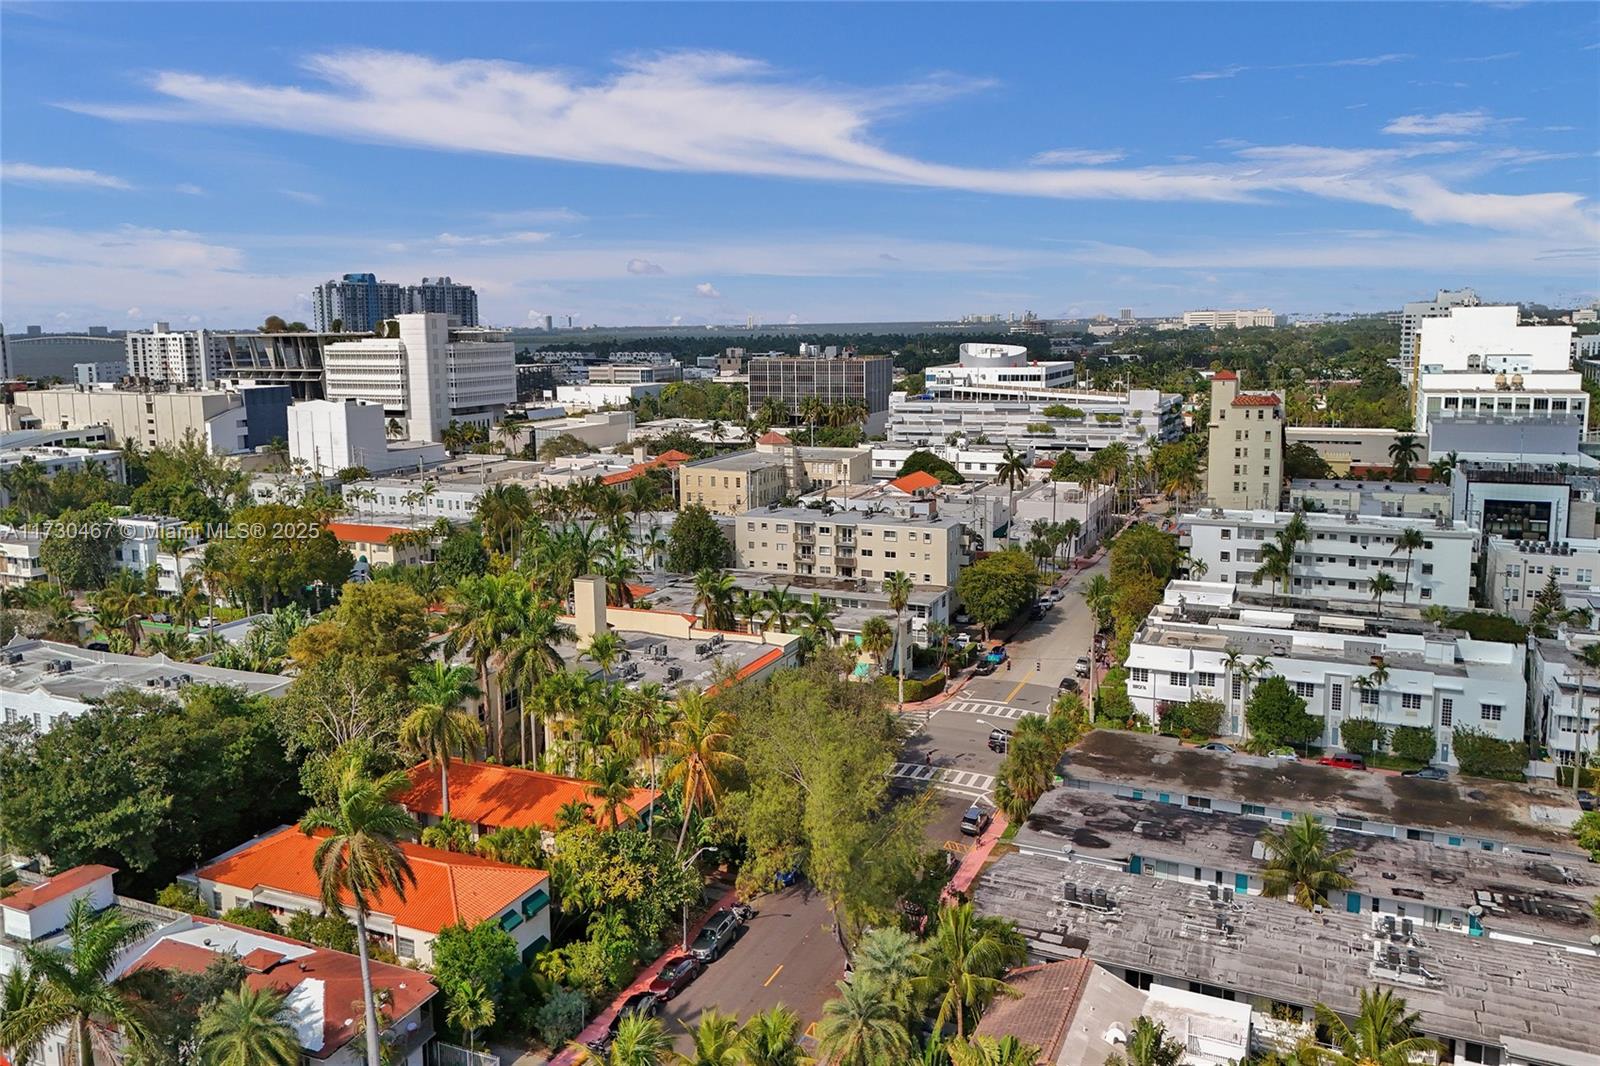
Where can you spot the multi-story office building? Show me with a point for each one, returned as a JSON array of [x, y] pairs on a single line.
[[1515, 571], [840, 379], [1342, 555], [1545, 503], [1048, 422], [1412, 317], [162, 355], [442, 296], [428, 376], [227, 420], [995, 372], [1211, 319], [97, 373], [1565, 724], [1245, 446], [1398, 673], [735, 482], [812, 542], [292, 359]]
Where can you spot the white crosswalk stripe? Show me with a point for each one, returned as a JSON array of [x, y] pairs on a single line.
[[988, 709], [961, 782]]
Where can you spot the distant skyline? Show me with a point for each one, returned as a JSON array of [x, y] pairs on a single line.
[[686, 164]]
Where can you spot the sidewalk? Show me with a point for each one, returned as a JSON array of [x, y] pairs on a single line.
[[972, 862], [570, 1054]]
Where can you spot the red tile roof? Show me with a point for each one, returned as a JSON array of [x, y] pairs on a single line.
[[665, 461], [1225, 375], [360, 533], [62, 884], [772, 436], [917, 479], [1039, 1015], [451, 887], [1257, 399], [339, 974], [497, 796]]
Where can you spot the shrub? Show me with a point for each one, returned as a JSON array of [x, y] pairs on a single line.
[[1197, 718], [1586, 831], [1061, 410], [331, 931], [181, 898], [1484, 625], [1041, 427], [917, 690], [1276, 714], [253, 918], [1414, 742], [1362, 735], [561, 1016], [1481, 755]]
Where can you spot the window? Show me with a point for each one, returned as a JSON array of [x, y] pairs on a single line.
[[1305, 690], [1369, 697], [1252, 808], [1206, 680], [1199, 802], [1179, 679], [406, 949], [1411, 701], [1447, 708], [1336, 697], [1139, 674], [1490, 712], [1238, 688]]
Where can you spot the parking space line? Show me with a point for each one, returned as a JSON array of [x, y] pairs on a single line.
[[774, 976]]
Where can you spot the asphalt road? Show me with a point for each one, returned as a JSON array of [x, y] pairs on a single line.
[[788, 954]]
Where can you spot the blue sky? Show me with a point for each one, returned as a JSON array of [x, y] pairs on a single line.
[[700, 163]]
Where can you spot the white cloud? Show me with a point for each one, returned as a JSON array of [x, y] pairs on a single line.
[[1445, 124], [1214, 75], [708, 290], [135, 312], [712, 112], [301, 196], [532, 216], [1354, 61], [1495, 58], [491, 240], [189, 190], [1088, 157], [644, 266], [32, 174]]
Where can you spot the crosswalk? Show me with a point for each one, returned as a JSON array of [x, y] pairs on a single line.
[[961, 782], [988, 709]]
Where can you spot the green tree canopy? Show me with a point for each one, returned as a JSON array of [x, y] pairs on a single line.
[[273, 552], [1276, 715], [697, 543], [996, 588], [80, 546], [929, 463]]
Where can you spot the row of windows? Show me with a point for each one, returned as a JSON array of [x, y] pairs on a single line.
[[1307, 690]]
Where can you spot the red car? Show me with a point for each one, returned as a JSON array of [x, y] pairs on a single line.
[[675, 976], [1344, 761]]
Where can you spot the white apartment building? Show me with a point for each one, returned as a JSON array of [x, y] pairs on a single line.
[[1212, 319], [1059, 501], [448, 491], [1341, 557], [1514, 571], [430, 375], [171, 545], [1047, 421], [1565, 729], [97, 373], [19, 557], [593, 397], [975, 464], [229, 421], [813, 542], [1391, 498], [1244, 465], [1436, 679], [53, 460], [983, 367], [163, 355], [329, 437], [1412, 316]]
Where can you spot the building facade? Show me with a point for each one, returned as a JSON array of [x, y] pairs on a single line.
[[1211, 319], [849, 544], [162, 355], [1515, 571], [1048, 422], [228, 420], [791, 380], [984, 365], [735, 482], [1564, 722], [1244, 466], [292, 359], [1412, 316]]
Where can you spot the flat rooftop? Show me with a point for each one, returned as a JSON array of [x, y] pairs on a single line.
[[651, 658], [1476, 989], [1373, 488], [677, 593], [464, 471], [69, 672], [1519, 894], [1474, 806], [847, 517]]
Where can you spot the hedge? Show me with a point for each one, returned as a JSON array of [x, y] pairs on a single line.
[[1414, 742]]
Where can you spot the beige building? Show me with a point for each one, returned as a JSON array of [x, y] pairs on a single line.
[[219, 417], [1244, 467], [739, 481], [868, 547]]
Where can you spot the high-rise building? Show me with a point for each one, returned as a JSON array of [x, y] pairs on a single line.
[[1244, 468], [1126, 314], [442, 296], [5, 356], [358, 302], [549, 323], [1412, 316], [175, 357]]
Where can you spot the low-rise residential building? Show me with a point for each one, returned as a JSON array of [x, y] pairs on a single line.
[[1398, 673], [276, 872], [486, 796], [1516, 571], [1063, 501], [1389, 498], [1543, 502], [170, 545], [776, 467], [448, 491], [1564, 723], [843, 543], [973, 463], [375, 544], [850, 601], [1340, 556], [19, 557], [1351, 451], [44, 680], [51, 460]]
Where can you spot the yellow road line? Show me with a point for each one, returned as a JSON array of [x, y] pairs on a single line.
[[1013, 693], [774, 976]]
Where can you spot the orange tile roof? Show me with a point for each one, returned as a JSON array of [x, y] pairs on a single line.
[[359, 533], [62, 884], [1046, 999], [1256, 399], [496, 796], [674, 456], [917, 479], [1225, 375], [451, 887], [772, 436], [666, 460]]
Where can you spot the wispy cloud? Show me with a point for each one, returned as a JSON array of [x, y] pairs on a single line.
[[711, 112], [490, 240], [1354, 61], [189, 189], [32, 174], [301, 196], [532, 216], [1214, 75], [1088, 157], [644, 266], [1495, 58]]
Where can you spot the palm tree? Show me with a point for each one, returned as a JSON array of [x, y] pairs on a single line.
[[897, 586], [862, 1028], [604, 650], [1097, 596], [173, 644], [121, 606], [1300, 865], [531, 653], [1012, 472], [479, 618], [1408, 541], [967, 957], [891, 959], [1277, 565], [772, 1038], [612, 784], [700, 741], [1148, 1045], [781, 607], [987, 1051], [359, 858], [1403, 451], [1444, 469], [439, 729], [471, 1008], [939, 636], [71, 987], [713, 599], [1588, 658], [1381, 584], [246, 1027], [749, 606], [1384, 1033], [816, 623], [716, 1040], [876, 638], [640, 1041]]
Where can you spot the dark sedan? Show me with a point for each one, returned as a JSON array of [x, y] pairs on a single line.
[[645, 1004], [1428, 773], [675, 976]]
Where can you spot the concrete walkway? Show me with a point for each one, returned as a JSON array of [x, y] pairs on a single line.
[[972, 862]]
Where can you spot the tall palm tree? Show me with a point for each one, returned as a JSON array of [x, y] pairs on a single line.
[[891, 959], [749, 606], [479, 617], [1408, 541], [816, 623], [1403, 452], [531, 653], [1381, 584], [640, 1041], [781, 608], [713, 598], [612, 784], [73, 989], [897, 586], [1012, 472], [1097, 596], [471, 1008], [247, 1027], [604, 650], [700, 743], [359, 858], [939, 636], [716, 1040], [122, 605], [772, 1038], [439, 729], [968, 956], [876, 638], [862, 1028], [987, 1051], [1300, 864], [1277, 566], [1384, 1033], [647, 716]]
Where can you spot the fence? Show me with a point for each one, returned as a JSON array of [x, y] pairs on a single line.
[[442, 1054]]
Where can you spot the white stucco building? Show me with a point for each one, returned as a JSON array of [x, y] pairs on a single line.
[[983, 366], [1514, 571], [1237, 319], [171, 545], [175, 357], [329, 436], [1557, 722]]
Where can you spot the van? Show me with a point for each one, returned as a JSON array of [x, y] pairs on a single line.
[[975, 821]]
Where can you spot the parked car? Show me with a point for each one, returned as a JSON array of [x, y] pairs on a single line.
[[1068, 684], [985, 667], [1284, 755], [1038, 612], [675, 976], [716, 936], [1052, 596], [961, 640], [787, 878], [1217, 745], [1343, 760], [997, 653], [1428, 773], [642, 1003], [999, 740], [1081, 667], [976, 820]]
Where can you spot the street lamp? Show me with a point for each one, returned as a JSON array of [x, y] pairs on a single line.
[[686, 864]]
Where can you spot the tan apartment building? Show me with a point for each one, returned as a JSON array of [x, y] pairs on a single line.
[[1244, 462], [736, 482], [807, 542], [228, 421]]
